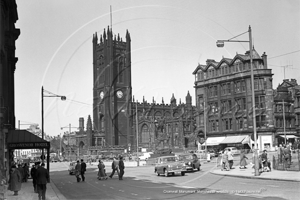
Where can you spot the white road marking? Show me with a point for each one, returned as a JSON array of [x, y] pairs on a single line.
[[272, 185], [186, 187], [111, 187], [121, 190], [134, 194], [245, 195]]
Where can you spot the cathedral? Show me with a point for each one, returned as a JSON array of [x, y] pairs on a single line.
[[118, 119]]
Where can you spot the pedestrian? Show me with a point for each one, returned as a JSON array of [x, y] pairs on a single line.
[[26, 172], [42, 178], [33, 176], [279, 153], [78, 171], [101, 173], [121, 167], [21, 170], [265, 162], [286, 157], [114, 167], [243, 161], [225, 164], [15, 180], [83, 169], [230, 158]]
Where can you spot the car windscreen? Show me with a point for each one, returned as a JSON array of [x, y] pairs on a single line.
[[170, 159]]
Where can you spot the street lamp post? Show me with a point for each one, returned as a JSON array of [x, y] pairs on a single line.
[[63, 98], [220, 43]]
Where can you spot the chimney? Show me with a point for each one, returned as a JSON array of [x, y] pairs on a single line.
[[209, 61], [81, 124], [264, 57], [294, 81]]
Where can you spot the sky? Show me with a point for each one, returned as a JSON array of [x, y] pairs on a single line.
[[168, 40]]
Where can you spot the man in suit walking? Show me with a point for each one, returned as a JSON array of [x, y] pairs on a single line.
[[121, 167], [42, 178], [83, 169], [114, 167]]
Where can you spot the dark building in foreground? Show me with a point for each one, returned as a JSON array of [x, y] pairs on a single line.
[[223, 98], [8, 36]]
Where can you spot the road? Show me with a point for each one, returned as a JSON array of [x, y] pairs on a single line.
[[143, 183]]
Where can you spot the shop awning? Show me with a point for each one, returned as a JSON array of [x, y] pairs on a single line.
[[248, 140], [23, 139], [213, 141], [234, 139], [289, 136]]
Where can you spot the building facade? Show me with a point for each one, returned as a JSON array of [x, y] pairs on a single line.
[[224, 98], [8, 36], [112, 89], [287, 112], [117, 116]]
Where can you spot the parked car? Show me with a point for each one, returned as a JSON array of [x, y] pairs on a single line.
[[145, 155], [191, 161], [233, 150], [169, 165], [72, 168]]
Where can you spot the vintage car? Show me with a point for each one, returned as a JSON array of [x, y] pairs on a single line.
[[191, 161], [168, 165], [72, 168]]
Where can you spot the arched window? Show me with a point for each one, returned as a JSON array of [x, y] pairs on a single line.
[[145, 134], [121, 69]]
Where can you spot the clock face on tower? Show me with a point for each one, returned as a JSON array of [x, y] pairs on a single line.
[[119, 94], [101, 94]]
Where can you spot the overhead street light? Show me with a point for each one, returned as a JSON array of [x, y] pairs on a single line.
[[63, 98], [220, 43]]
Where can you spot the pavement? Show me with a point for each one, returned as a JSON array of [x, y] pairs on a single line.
[[52, 193], [249, 173]]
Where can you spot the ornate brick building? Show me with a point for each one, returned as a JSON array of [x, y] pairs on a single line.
[[223, 98], [287, 112]]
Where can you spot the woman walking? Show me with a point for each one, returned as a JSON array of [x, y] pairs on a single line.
[[225, 164], [243, 161], [101, 173], [15, 181]]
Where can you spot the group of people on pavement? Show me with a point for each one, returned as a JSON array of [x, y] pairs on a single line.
[[285, 155], [39, 174], [226, 160], [116, 166]]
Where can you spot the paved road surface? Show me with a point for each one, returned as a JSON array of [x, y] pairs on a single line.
[[142, 183]]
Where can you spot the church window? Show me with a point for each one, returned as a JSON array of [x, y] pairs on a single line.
[[121, 70], [145, 134]]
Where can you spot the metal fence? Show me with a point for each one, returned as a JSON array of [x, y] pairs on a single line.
[[287, 163]]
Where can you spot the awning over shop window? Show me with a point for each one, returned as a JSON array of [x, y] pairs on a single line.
[[213, 141], [289, 136], [248, 140], [22, 139], [234, 139]]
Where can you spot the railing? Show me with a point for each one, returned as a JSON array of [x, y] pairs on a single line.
[[287, 163]]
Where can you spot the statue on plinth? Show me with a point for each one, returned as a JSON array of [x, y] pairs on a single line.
[[162, 139]]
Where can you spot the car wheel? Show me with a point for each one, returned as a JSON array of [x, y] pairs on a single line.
[[166, 173], [182, 173], [198, 169], [158, 174]]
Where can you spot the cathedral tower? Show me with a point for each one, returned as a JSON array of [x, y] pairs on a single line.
[[112, 89]]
